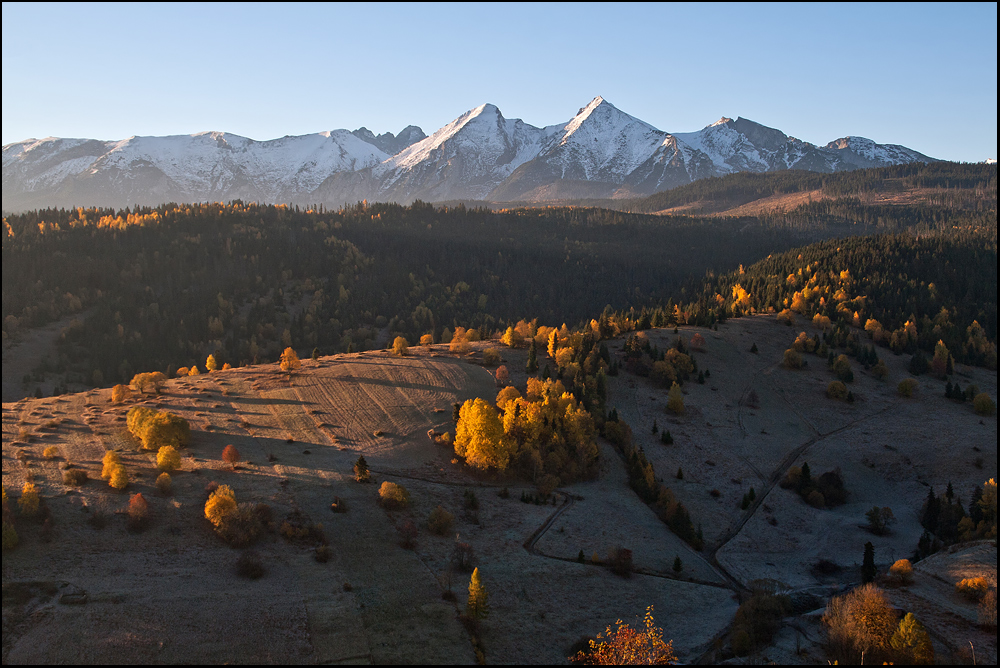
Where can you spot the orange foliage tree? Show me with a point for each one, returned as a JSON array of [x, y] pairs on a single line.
[[626, 646]]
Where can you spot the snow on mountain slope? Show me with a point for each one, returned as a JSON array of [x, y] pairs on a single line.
[[855, 152], [466, 159], [600, 152], [602, 143]]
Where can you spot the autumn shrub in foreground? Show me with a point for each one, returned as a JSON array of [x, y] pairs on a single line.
[[624, 645], [861, 621], [983, 405], [393, 496], [758, 618], [911, 643], [50, 452]]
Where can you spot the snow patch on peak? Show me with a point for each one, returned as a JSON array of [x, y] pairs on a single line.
[[721, 121]]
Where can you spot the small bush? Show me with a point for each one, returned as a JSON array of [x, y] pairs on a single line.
[[168, 459], [792, 359], [393, 496], [250, 566], [901, 572], [408, 534], [74, 477], [620, 562], [469, 500], [29, 501], [231, 455], [973, 589], [836, 390], [164, 484], [110, 461], [983, 405], [221, 502], [463, 557], [816, 499], [322, 554], [51, 452], [491, 357], [244, 525], [907, 387], [440, 522], [138, 513], [119, 478]]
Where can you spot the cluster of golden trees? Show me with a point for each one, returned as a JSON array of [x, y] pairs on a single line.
[[862, 625], [545, 434]]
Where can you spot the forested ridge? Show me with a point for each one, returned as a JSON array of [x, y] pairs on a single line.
[[160, 288], [944, 184]]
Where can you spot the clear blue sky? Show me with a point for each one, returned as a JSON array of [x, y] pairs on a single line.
[[921, 75]]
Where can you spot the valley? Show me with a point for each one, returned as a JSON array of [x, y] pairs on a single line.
[[169, 593]]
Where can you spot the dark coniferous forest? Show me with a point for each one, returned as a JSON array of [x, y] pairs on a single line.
[[159, 288]]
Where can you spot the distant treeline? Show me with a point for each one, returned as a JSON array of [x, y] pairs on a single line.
[[160, 288], [734, 190]]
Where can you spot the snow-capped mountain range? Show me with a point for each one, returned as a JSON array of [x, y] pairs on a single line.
[[601, 152]]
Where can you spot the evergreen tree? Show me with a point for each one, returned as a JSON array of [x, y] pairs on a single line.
[[932, 509], [677, 564], [361, 473], [868, 570], [532, 366]]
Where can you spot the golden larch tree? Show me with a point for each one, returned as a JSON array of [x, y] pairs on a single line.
[[290, 361], [625, 646]]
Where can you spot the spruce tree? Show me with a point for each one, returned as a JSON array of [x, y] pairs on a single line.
[[532, 366], [361, 473], [677, 564], [868, 570]]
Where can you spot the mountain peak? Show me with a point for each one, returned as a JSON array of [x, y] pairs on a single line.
[[721, 121]]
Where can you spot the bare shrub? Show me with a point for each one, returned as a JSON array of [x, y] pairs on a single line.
[[74, 477], [250, 566], [408, 534], [620, 562], [463, 557]]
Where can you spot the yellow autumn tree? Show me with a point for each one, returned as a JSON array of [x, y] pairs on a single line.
[[168, 459], [427, 340], [290, 361], [164, 429], [675, 400], [221, 502], [512, 338], [29, 501], [120, 393], [118, 478], [210, 364], [626, 646], [480, 437], [193, 371], [111, 460], [400, 346]]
